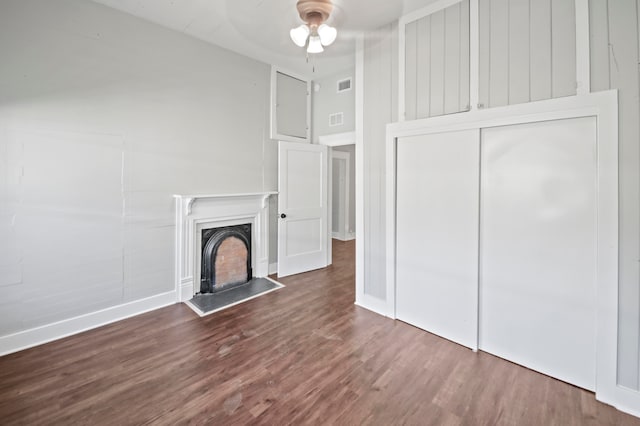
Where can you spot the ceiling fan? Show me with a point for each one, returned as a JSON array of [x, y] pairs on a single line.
[[314, 33]]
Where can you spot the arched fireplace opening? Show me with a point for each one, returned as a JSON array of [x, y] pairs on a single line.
[[226, 258]]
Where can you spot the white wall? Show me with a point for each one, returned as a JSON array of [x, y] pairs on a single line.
[[527, 51], [437, 63], [327, 101], [102, 118], [380, 107], [614, 65]]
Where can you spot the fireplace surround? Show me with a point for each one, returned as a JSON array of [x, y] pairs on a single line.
[[195, 213]]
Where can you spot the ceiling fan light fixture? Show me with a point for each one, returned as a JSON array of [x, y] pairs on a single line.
[[314, 33], [315, 45], [327, 34], [299, 35]]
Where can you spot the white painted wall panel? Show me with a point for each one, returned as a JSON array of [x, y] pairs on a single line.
[[452, 59], [380, 107], [527, 51], [623, 71], [614, 65], [563, 48], [465, 59], [540, 50], [437, 234], [423, 74], [519, 54], [538, 247], [103, 117], [438, 35], [498, 53], [484, 46], [437, 63], [599, 44], [411, 67]]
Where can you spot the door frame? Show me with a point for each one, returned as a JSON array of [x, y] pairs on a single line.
[[604, 107], [326, 195]]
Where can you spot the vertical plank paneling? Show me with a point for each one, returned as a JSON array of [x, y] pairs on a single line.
[[499, 53], [563, 48], [599, 44], [623, 30], [370, 79], [437, 63], [463, 102], [380, 102], [484, 66], [452, 59], [423, 67], [411, 55], [518, 51], [540, 49]]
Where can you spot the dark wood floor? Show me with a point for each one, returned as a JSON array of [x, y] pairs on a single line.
[[302, 354]]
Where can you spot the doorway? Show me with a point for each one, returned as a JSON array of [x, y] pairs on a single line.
[[343, 192]]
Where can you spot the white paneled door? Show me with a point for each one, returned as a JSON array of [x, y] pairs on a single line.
[[538, 247], [437, 233], [302, 208]]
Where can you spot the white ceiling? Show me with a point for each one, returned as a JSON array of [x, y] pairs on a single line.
[[260, 28]]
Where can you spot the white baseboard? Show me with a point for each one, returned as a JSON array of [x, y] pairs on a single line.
[[624, 399], [273, 268], [186, 291], [373, 304], [57, 330]]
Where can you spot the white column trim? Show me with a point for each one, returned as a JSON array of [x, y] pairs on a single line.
[[359, 138]]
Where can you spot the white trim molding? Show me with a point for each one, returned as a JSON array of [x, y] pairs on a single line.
[[338, 139], [361, 298], [603, 106], [58, 330], [197, 212], [274, 104]]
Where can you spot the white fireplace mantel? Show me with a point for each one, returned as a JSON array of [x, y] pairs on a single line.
[[197, 212]]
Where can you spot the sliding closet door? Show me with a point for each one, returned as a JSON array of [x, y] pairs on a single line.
[[437, 234], [538, 247]]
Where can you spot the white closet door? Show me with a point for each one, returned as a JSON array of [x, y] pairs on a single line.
[[538, 247], [437, 234]]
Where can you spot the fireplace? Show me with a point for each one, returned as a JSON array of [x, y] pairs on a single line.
[[226, 257], [195, 213]]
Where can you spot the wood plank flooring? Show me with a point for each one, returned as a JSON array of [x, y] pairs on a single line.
[[301, 355]]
